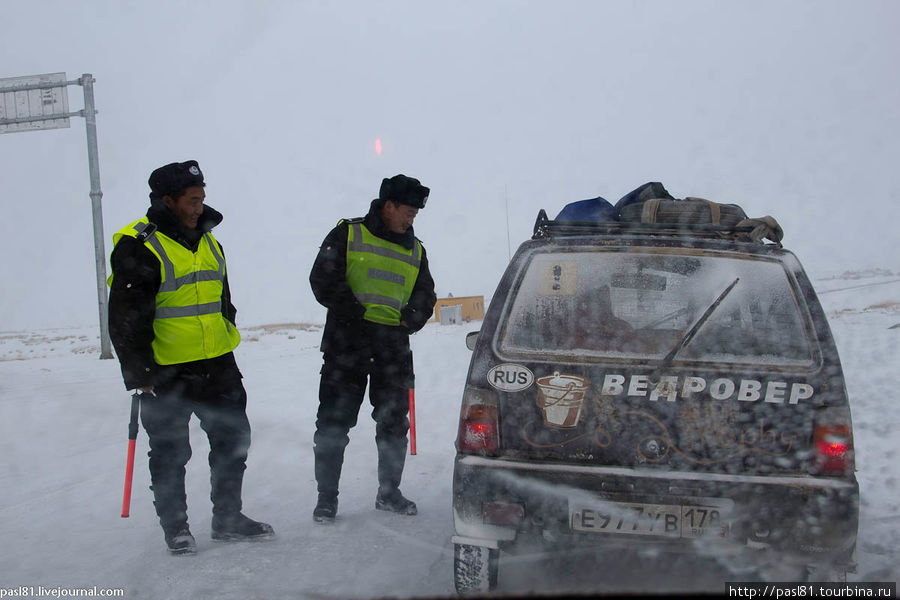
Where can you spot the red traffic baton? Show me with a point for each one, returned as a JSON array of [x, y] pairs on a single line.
[[129, 461], [412, 421]]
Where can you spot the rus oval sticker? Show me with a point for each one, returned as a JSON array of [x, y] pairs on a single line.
[[510, 378]]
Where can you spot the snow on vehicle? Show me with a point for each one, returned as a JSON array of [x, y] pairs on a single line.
[[655, 386]]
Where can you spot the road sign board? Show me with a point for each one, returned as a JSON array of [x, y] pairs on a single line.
[[23, 100]]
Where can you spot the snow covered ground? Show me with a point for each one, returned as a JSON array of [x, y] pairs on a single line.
[[63, 441]]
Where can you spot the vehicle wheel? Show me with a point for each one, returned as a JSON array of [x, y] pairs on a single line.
[[474, 568]]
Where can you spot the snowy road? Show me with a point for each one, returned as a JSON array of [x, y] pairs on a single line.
[[63, 441]]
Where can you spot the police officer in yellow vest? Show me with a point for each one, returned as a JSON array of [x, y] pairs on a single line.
[[372, 275], [173, 326]]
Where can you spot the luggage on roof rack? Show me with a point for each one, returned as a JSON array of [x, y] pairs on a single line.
[[652, 203], [652, 189], [689, 211], [596, 209], [747, 230], [544, 227], [650, 208]]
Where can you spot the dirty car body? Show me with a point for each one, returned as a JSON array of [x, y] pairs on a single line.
[[675, 392]]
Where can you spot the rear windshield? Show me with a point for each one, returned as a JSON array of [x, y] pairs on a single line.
[[612, 304]]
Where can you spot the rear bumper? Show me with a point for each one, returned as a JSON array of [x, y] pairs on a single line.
[[808, 519]]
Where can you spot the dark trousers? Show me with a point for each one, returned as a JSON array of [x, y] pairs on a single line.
[[219, 400], [388, 369]]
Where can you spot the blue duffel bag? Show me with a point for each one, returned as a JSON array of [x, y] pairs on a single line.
[[595, 210]]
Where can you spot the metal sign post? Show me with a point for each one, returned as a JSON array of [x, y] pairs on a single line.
[[90, 123], [41, 102]]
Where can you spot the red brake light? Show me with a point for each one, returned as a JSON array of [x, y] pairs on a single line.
[[834, 449], [478, 429]]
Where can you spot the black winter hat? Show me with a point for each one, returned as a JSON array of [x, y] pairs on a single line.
[[405, 190], [174, 177]]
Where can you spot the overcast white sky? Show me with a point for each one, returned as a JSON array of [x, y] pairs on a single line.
[[787, 108]]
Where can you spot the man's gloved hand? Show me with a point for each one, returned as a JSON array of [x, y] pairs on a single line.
[[411, 319]]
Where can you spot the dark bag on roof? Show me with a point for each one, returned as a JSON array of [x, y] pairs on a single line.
[[596, 209], [653, 189], [652, 203], [690, 211]]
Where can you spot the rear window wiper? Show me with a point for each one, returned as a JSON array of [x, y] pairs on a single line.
[[690, 333]]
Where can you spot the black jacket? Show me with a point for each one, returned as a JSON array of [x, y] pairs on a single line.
[[132, 296], [345, 329]]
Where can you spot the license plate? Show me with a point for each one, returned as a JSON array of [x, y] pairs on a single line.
[[665, 520]]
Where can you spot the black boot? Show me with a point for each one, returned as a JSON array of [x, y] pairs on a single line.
[[393, 501], [179, 540], [170, 503], [227, 460], [236, 527], [391, 458], [329, 459], [174, 524], [326, 508]]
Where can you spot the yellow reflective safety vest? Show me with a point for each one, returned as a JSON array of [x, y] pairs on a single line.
[[381, 274], [188, 324]]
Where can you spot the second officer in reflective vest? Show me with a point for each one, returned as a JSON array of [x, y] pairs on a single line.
[[372, 275], [172, 323]]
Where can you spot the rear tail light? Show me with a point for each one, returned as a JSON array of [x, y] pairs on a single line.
[[833, 438], [478, 427]]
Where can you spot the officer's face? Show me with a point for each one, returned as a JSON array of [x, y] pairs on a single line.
[[398, 217], [188, 207]]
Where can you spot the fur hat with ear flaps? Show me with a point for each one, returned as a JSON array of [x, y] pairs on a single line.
[[405, 190], [174, 177]]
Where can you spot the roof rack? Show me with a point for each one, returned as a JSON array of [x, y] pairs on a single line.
[[545, 227]]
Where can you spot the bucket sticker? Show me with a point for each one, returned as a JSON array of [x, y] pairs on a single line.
[[561, 398], [510, 378]]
